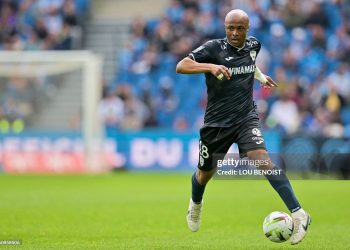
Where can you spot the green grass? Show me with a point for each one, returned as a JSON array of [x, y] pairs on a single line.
[[147, 211]]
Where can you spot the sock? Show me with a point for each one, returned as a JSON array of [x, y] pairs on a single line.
[[197, 190], [299, 213], [282, 185]]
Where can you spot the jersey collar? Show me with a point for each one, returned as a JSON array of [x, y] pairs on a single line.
[[238, 49]]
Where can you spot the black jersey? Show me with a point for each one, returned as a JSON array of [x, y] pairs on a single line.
[[229, 101]]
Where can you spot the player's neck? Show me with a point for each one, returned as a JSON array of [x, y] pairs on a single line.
[[237, 48]]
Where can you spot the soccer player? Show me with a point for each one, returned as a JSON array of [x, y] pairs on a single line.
[[231, 116]]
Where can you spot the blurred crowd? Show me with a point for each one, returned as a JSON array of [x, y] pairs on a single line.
[[306, 47], [41, 24], [35, 25]]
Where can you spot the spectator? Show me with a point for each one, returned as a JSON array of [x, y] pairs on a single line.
[[317, 16], [340, 79], [293, 15], [135, 111], [111, 110], [284, 112], [167, 101]]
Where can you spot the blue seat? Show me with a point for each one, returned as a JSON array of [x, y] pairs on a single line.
[[345, 116]]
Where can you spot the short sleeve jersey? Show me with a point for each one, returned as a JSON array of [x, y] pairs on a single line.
[[229, 101]]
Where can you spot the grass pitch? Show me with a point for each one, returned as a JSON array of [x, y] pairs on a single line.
[[147, 211]]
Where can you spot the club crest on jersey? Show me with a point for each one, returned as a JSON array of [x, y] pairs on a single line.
[[253, 55]]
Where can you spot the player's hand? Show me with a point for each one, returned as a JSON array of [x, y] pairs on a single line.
[[269, 83], [220, 71]]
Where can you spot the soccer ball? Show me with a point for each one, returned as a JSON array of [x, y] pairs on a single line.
[[278, 226]]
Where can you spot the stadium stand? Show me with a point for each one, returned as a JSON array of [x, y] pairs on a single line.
[[305, 48]]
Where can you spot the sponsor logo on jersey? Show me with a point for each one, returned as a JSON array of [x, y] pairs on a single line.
[[256, 131], [229, 58], [257, 136], [258, 139], [252, 43], [242, 70]]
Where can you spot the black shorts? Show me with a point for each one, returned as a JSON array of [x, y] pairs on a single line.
[[217, 141]]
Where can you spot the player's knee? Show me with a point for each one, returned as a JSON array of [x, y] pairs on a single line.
[[261, 158], [204, 176]]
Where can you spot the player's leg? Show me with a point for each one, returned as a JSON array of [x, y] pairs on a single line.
[[281, 184], [279, 181], [199, 181], [213, 141], [251, 143]]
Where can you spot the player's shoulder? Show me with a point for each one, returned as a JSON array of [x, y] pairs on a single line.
[[214, 43], [212, 46], [252, 42]]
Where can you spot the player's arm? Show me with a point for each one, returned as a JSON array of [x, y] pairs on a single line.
[[189, 66], [265, 80]]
